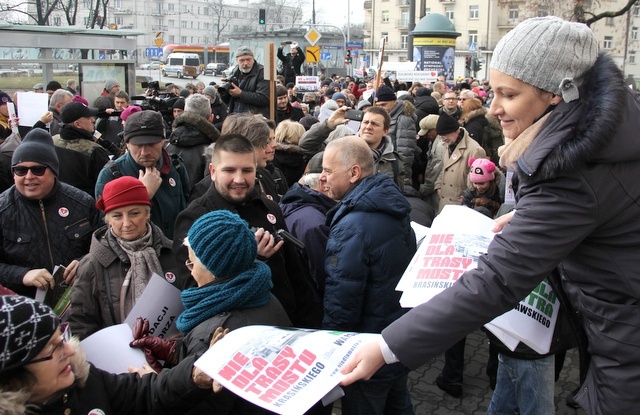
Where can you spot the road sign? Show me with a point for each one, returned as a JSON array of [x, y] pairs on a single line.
[[355, 45], [313, 36], [153, 52], [313, 53], [325, 56], [473, 46], [158, 42]]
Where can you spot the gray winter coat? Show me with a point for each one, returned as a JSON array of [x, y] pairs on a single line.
[[578, 210]]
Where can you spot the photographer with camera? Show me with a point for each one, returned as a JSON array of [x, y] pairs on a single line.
[[291, 62], [246, 90]]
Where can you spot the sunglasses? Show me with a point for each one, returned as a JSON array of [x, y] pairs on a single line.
[[65, 333], [21, 171]]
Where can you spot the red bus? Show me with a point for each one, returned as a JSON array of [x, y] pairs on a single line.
[[219, 54]]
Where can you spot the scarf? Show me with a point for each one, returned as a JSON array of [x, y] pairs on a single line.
[[250, 289], [513, 149], [144, 261]]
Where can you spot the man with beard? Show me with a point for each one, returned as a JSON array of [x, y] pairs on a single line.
[[233, 188], [165, 177], [247, 90], [81, 158]]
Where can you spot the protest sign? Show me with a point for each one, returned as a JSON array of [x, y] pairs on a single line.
[[283, 370], [31, 106], [108, 349], [307, 83], [160, 303]]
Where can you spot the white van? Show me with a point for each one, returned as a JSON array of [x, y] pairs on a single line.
[[181, 65]]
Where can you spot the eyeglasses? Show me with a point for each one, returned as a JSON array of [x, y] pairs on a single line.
[[189, 264], [65, 333], [21, 171]]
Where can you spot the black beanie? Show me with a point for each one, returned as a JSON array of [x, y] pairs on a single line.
[[37, 147], [446, 124], [53, 86]]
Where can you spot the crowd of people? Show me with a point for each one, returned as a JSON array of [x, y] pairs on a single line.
[[97, 207]]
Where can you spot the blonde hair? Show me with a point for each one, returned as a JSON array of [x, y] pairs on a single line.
[[289, 131]]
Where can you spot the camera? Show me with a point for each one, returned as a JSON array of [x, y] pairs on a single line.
[[282, 235], [160, 101], [224, 88]]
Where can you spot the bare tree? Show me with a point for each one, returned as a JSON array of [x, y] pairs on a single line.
[[37, 11], [581, 12], [222, 17]]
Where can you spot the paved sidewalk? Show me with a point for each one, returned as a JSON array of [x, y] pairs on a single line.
[[428, 399]]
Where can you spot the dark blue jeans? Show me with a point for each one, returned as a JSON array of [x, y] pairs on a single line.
[[377, 398]]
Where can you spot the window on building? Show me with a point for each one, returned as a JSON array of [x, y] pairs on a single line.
[[609, 21], [206, 11], [608, 42], [634, 33], [404, 19], [427, 11], [86, 4], [183, 24], [57, 21], [117, 4], [172, 38], [183, 39], [473, 36], [474, 12], [170, 7], [119, 20], [632, 57], [636, 10], [86, 21], [172, 23], [385, 16], [404, 41], [448, 11], [184, 9], [384, 35], [235, 14], [513, 12], [542, 11]]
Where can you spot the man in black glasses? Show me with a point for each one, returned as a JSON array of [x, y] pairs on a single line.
[[43, 222]]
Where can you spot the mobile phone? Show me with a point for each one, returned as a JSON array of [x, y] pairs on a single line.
[[355, 115]]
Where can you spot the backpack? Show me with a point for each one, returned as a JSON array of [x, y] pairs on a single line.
[[492, 139]]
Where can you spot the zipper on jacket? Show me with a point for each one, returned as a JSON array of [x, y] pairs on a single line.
[[46, 231]]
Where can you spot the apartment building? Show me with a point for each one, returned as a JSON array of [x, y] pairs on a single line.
[[482, 23]]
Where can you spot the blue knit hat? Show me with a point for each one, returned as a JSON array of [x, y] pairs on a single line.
[[223, 242]]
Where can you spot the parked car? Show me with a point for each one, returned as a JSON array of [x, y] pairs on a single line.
[[155, 65], [227, 72], [214, 68]]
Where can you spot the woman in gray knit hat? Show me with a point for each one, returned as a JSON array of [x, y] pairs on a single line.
[[570, 127]]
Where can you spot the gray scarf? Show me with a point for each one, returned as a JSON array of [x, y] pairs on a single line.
[[144, 261]]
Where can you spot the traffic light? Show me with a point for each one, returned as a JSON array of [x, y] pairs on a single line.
[[478, 65], [123, 53], [467, 63], [262, 16], [347, 58]]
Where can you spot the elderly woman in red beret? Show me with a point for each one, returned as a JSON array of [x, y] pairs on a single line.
[[123, 256]]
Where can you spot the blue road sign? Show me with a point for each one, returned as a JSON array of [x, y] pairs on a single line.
[[153, 52], [325, 56], [355, 45]]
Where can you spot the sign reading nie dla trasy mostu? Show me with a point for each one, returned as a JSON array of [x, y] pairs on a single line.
[[284, 370]]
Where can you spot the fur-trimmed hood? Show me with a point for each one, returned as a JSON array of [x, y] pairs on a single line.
[[288, 148], [597, 128], [407, 108], [480, 112], [190, 129], [15, 402]]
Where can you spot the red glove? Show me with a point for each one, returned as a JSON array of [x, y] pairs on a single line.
[[154, 348]]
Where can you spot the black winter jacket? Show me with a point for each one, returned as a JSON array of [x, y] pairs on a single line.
[[292, 284], [255, 92], [191, 135], [42, 234]]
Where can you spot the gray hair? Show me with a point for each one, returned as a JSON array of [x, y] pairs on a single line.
[[59, 96], [198, 104], [353, 150]]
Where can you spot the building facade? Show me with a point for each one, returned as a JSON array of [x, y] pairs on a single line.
[[482, 23]]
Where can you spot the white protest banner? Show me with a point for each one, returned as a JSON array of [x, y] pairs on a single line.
[[424, 77], [533, 320], [31, 106], [160, 303], [109, 349], [307, 83], [283, 370], [459, 236]]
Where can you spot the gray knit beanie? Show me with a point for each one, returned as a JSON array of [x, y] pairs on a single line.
[[549, 53], [37, 147]]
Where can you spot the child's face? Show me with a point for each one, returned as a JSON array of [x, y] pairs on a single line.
[[482, 187]]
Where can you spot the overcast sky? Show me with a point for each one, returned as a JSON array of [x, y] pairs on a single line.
[[334, 12]]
